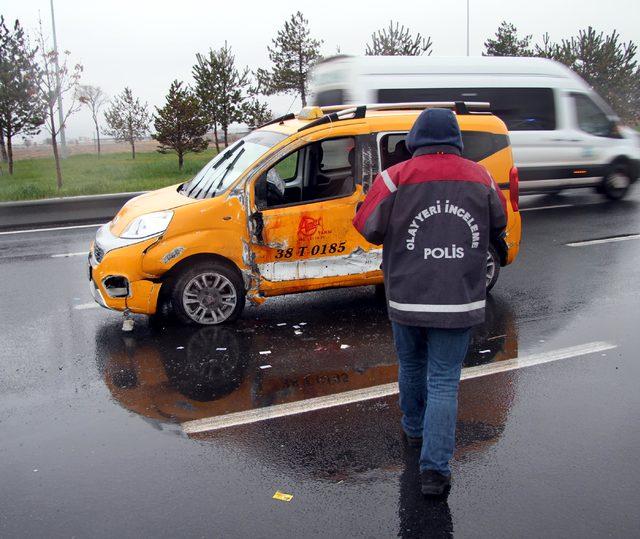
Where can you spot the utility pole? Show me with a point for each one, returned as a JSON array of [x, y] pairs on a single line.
[[63, 138], [467, 27]]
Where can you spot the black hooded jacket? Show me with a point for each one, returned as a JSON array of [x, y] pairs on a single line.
[[435, 215]]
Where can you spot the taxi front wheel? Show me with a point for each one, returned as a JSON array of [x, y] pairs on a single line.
[[208, 293]]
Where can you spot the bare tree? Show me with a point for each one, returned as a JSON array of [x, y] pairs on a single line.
[[57, 77], [93, 98], [127, 119]]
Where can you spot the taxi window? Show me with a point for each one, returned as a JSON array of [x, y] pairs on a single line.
[[318, 171], [478, 145], [288, 167]]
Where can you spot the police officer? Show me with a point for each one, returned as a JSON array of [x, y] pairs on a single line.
[[435, 215]]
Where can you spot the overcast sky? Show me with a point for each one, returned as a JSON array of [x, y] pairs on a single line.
[[145, 44]]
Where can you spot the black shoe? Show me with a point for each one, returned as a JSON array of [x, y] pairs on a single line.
[[412, 441], [434, 483]]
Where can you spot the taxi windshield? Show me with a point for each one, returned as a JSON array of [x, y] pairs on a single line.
[[219, 173]]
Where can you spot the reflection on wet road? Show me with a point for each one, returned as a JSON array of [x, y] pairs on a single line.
[[177, 374]]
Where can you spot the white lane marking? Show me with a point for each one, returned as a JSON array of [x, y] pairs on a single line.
[[385, 390], [561, 206], [48, 229], [604, 240], [65, 255], [85, 306]]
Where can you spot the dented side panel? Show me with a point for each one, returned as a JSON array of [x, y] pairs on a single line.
[[355, 263], [314, 241]]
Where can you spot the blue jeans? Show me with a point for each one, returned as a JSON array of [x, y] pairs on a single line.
[[430, 361]]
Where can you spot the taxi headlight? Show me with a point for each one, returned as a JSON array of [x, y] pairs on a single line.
[[148, 225]]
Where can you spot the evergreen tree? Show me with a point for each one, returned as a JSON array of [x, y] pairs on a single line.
[[292, 53], [606, 63], [222, 89], [180, 125], [396, 40], [21, 110], [256, 113], [127, 119], [94, 99], [508, 43]]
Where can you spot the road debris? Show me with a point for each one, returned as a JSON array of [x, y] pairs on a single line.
[[265, 352], [485, 351], [282, 496], [179, 347], [265, 367], [281, 324], [343, 346], [220, 349], [297, 332], [127, 321]]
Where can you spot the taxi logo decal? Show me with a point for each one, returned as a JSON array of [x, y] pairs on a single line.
[[308, 226]]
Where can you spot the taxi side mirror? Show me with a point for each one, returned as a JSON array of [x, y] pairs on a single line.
[[256, 224], [261, 192]]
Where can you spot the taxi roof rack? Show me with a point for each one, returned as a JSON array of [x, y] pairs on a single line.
[[335, 113]]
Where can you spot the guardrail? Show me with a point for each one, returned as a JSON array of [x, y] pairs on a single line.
[[56, 211]]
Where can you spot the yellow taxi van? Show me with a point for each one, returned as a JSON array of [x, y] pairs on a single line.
[[271, 214]]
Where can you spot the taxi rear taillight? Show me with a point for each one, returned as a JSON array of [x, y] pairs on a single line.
[[514, 188]]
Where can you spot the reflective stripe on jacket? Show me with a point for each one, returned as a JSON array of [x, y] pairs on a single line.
[[435, 216]]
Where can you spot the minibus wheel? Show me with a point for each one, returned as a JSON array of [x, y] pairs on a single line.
[[493, 267], [616, 184], [208, 293]]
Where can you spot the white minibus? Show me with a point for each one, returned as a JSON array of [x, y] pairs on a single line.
[[562, 133]]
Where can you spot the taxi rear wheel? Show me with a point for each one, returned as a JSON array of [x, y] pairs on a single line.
[[493, 267], [208, 293]]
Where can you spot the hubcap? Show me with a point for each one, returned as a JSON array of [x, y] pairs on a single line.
[[209, 298], [491, 268], [619, 181]]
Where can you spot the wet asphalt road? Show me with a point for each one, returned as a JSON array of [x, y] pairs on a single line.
[[91, 435]]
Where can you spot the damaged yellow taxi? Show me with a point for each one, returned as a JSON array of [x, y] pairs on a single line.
[[271, 214]]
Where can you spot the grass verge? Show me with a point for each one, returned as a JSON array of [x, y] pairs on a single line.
[[91, 175]]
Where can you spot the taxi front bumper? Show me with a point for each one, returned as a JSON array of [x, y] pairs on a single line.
[[108, 260]]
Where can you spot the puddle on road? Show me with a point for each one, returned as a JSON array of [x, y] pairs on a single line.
[[179, 374]]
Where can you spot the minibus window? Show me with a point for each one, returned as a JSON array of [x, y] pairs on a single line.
[[329, 97], [219, 173], [521, 109], [590, 118]]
